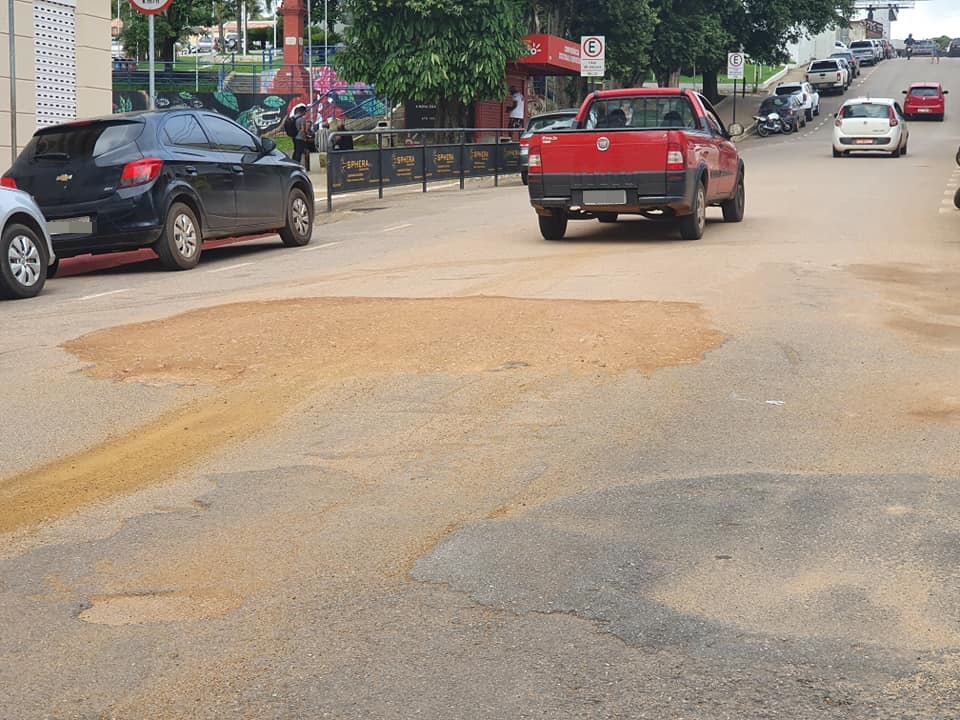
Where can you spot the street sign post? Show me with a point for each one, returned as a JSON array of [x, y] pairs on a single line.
[[735, 63], [151, 8], [593, 53]]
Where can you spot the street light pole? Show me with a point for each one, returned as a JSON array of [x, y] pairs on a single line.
[[13, 84], [326, 43], [310, 48]]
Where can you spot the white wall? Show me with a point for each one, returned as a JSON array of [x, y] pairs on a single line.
[[812, 47]]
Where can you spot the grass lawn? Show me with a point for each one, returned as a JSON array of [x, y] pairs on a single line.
[[765, 73]]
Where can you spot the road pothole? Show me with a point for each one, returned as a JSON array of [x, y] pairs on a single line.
[[160, 607]]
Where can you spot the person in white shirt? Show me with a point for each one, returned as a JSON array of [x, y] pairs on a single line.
[[516, 107]]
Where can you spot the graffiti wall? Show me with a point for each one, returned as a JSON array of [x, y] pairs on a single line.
[[260, 113], [338, 99]]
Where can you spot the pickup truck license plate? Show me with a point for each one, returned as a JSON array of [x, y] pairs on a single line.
[[604, 197], [70, 226]]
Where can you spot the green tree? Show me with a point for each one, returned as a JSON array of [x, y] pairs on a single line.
[[170, 26], [444, 52]]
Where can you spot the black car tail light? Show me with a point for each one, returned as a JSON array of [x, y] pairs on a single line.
[[140, 172], [8, 182]]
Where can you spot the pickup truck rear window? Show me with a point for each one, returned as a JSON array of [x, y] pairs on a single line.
[[647, 112], [827, 65]]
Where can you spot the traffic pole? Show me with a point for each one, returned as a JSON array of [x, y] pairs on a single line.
[[734, 101], [152, 56]]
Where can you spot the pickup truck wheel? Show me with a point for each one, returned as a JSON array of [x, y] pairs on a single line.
[[956, 199], [554, 225], [733, 208], [523, 177], [809, 114], [180, 241], [691, 226], [607, 217]]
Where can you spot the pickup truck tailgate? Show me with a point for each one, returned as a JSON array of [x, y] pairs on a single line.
[[595, 160]]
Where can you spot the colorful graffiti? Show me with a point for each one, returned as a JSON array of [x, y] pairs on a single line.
[[336, 99], [260, 113]]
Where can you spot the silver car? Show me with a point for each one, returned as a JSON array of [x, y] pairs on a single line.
[[25, 248]]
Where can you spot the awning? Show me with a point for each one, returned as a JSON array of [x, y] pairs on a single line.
[[550, 55]]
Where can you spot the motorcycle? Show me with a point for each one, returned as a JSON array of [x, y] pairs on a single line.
[[768, 124], [771, 124]]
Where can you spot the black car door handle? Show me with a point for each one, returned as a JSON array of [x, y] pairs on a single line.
[[190, 170], [237, 170]]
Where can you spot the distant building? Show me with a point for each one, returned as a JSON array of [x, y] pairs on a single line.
[[63, 70]]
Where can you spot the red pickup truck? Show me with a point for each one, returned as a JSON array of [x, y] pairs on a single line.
[[657, 152]]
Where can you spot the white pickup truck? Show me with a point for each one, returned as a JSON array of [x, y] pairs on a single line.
[[828, 74]]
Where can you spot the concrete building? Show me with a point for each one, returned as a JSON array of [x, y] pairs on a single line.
[[62, 66]]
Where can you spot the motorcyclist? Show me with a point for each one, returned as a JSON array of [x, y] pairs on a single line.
[[908, 44]]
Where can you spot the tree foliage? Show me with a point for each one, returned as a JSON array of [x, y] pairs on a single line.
[[444, 52]]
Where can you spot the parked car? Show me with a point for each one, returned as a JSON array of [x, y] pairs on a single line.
[[809, 97], [924, 47], [788, 107], [25, 248], [203, 46], [555, 120], [829, 74], [871, 125], [166, 180], [925, 99], [864, 51], [852, 62], [954, 49]]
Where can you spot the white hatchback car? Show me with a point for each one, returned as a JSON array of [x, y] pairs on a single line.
[[809, 96], [866, 124]]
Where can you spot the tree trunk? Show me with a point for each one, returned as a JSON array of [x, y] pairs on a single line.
[[168, 49], [710, 89]]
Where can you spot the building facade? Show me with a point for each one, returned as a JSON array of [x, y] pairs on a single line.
[[61, 53]]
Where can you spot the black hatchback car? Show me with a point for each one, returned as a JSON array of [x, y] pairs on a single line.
[[167, 180]]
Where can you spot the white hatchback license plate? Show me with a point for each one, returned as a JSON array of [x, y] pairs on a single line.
[[604, 197], [70, 226], [864, 141]]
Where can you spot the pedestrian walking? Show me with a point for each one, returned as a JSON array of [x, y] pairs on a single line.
[[301, 147], [936, 54], [516, 107]]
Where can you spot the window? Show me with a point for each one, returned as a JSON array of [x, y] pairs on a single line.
[[225, 135], [84, 139], [652, 111], [184, 131], [924, 92], [866, 110]]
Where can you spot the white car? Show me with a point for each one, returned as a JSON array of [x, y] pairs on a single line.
[[25, 248], [870, 125], [808, 95]]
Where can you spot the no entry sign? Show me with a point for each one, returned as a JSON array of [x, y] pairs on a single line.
[[150, 7]]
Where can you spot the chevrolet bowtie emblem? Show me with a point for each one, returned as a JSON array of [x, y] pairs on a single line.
[[64, 178]]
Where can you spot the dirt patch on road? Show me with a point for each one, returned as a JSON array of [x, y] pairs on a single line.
[[262, 358]]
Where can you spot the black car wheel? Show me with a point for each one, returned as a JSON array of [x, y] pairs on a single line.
[[299, 227], [180, 243], [554, 225], [733, 208], [23, 262], [692, 225]]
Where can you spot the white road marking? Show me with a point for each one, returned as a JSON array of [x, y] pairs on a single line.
[[398, 227], [324, 245], [104, 294], [230, 267]]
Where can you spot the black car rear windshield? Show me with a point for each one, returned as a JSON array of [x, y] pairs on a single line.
[[649, 111], [824, 65], [84, 140], [789, 89]]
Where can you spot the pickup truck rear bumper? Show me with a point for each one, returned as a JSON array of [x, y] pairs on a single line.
[[642, 191]]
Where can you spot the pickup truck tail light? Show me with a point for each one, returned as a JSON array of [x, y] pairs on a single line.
[[8, 182], [839, 77], [893, 118], [533, 162], [674, 156]]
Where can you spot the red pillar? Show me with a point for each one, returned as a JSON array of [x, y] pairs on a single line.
[[292, 78]]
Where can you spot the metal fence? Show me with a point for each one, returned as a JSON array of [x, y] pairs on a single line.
[[409, 157]]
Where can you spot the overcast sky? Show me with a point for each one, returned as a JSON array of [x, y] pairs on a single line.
[[930, 18]]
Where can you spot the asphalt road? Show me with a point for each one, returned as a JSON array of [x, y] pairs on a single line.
[[456, 471]]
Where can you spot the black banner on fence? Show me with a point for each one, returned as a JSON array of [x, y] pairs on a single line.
[[509, 158], [443, 162], [402, 165], [479, 159], [354, 170]]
